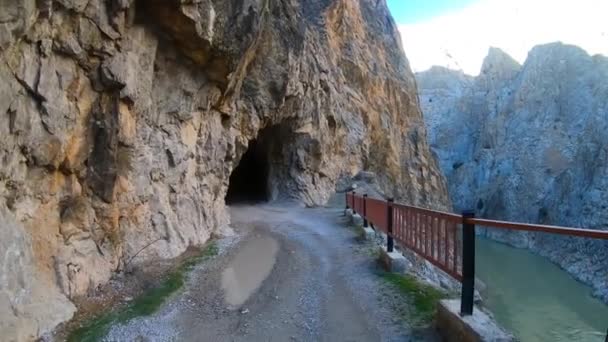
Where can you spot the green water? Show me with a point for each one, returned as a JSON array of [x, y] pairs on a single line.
[[535, 299]]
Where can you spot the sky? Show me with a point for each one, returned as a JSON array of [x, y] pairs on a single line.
[[458, 33]]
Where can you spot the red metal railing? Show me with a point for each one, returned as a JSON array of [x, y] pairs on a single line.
[[446, 240], [431, 234]]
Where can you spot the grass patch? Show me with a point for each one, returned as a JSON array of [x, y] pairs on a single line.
[[144, 305], [424, 298]]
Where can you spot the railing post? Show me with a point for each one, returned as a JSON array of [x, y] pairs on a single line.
[[468, 264], [390, 244], [345, 200], [354, 199], [365, 223]]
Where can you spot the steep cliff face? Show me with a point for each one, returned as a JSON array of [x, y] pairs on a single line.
[[528, 143], [121, 122]]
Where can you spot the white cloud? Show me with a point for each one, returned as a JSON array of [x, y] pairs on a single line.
[[460, 40]]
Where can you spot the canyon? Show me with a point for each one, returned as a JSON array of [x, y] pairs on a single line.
[[122, 121], [528, 143]]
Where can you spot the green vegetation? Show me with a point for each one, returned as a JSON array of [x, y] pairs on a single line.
[[144, 305], [424, 298]]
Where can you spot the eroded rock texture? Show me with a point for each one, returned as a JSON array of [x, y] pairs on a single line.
[[529, 143], [121, 122]]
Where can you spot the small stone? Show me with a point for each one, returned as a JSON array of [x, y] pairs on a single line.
[[244, 311]]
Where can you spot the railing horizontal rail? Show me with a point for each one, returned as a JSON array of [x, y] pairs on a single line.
[[442, 214], [580, 232]]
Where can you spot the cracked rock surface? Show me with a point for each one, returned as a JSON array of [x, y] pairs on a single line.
[[121, 122], [528, 143]]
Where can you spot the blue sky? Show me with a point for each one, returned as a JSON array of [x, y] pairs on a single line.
[[411, 11], [458, 33]]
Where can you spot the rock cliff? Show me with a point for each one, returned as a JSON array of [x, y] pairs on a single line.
[[528, 143], [121, 122]]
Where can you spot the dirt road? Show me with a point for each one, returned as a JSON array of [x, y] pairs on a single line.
[[292, 274]]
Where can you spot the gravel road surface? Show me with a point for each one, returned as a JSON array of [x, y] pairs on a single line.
[[289, 274]]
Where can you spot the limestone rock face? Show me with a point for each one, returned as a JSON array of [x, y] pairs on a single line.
[[121, 122], [528, 143]]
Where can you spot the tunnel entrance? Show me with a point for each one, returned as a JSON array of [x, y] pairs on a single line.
[[264, 171], [249, 180]]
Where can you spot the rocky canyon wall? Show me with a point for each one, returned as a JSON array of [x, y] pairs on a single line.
[[121, 122], [528, 143]]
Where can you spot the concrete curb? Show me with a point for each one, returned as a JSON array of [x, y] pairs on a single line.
[[348, 213], [369, 233], [394, 261], [358, 220], [480, 326], [366, 233]]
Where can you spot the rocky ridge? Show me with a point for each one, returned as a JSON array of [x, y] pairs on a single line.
[[121, 122], [528, 143]]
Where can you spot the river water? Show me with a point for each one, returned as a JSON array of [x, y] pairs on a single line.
[[535, 299]]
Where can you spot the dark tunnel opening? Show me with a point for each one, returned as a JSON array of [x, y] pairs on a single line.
[[262, 174], [249, 180]]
